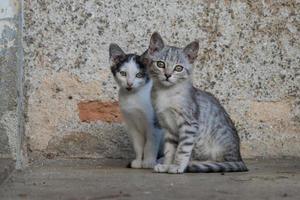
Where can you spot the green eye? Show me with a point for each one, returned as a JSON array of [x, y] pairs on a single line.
[[178, 68], [123, 73], [160, 64], [139, 75]]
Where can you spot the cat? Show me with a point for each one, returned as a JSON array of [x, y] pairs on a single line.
[[191, 118], [135, 103]]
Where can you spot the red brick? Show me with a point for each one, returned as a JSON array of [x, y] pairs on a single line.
[[97, 110]]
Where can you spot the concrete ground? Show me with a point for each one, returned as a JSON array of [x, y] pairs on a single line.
[[6, 167], [94, 180]]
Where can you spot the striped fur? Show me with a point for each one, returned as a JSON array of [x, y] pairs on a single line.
[[207, 167], [193, 120]]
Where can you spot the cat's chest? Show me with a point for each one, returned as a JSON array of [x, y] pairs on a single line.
[[168, 107], [140, 102], [167, 100]]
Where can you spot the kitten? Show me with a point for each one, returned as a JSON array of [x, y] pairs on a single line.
[[135, 103], [190, 117]]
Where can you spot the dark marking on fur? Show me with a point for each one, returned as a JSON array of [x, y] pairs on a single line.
[[137, 59], [172, 141]]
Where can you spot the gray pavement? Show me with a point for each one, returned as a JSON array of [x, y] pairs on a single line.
[[94, 180]]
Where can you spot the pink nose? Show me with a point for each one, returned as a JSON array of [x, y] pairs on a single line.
[[129, 84]]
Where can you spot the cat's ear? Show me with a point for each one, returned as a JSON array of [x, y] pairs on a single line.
[[144, 59], [191, 51], [156, 43], [116, 54]]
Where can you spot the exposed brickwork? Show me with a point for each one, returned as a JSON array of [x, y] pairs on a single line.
[[98, 110]]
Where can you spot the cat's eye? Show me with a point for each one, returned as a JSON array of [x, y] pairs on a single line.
[[139, 75], [178, 68], [160, 64], [123, 73]]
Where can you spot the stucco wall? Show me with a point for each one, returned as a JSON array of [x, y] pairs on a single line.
[[249, 58], [9, 44], [12, 134]]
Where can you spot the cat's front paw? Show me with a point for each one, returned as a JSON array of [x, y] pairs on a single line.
[[161, 160], [161, 168], [136, 163], [149, 164], [175, 169]]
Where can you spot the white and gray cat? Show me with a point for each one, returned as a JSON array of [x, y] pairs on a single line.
[[190, 117], [136, 107]]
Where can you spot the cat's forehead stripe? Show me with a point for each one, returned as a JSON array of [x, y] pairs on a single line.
[[172, 54], [129, 58], [132, 67], [131, 62]]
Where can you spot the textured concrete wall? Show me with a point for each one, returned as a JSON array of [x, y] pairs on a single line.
[[9, 27], [249, 58], [12, 137]]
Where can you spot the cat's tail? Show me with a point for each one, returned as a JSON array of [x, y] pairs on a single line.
[[207, 167]]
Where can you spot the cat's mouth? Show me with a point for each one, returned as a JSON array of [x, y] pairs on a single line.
[[129, 88], [167, 82]]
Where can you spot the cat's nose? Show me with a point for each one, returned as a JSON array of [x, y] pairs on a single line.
[[168, 76], [129, 84]]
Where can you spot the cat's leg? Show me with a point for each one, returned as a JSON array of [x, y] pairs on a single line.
[[138, 141], [184, 149], [170, 145], [153, 137]]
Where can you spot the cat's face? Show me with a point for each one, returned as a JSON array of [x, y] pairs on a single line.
[[170, 65], [128, 70]]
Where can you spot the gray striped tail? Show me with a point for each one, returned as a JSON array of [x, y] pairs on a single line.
[[206, 167]]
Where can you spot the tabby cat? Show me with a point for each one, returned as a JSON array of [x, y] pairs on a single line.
[[190, 117], [135, 103]]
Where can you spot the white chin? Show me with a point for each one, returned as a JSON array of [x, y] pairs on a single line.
[[166, 83]]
